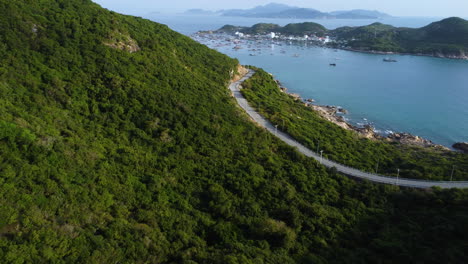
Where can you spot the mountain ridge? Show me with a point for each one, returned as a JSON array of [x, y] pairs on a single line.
[[275, 10]]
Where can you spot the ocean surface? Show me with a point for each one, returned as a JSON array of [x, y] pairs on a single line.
[[423, 96]]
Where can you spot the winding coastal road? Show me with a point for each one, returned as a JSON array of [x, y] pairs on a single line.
[[262, 121]]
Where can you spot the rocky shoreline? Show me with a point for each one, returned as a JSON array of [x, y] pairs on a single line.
[[335, 114], [437, 55]]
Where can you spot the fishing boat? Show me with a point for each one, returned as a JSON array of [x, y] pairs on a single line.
[[389, 60]]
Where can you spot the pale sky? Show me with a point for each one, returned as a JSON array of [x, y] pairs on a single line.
[[430, 8]]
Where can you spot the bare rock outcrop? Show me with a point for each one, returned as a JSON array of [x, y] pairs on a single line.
[[367, 132], [408, 139], [118, 40], [329, 113], [241, 72]]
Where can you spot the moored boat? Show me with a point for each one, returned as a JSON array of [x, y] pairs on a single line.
[[389, 60]]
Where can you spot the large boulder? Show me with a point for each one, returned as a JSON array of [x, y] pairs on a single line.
[[463, 146]]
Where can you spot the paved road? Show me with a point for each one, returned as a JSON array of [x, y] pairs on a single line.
[[234, 87]]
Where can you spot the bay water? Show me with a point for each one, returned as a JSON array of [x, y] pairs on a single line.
[[423, 96]]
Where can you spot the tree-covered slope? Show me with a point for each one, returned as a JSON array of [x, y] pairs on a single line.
[[445, 38], [304, 28], [119, 143], [298, 29]]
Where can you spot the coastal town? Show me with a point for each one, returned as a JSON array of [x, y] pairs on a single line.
[[223, 38], [282, 37]]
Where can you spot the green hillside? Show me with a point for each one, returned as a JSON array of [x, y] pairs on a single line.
[[445, 38], [290, 29], [304, 28], [119, 143]]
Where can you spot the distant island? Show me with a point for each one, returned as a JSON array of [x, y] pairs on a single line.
[[447, 38], [274, 10], [198, 11]]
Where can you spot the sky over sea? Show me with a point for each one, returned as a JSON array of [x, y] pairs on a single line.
[[428, 8]]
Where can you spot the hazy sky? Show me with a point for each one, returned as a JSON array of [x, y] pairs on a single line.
[[432, 8]]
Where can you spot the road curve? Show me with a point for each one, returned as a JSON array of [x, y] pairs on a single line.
[[262, 121]]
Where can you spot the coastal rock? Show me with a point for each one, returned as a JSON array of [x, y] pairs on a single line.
[[281, 87], [325, 109], [296, 97], [329, 113], [408, 139], [367, 131], [458, 55], [463, 146], [342, 111]]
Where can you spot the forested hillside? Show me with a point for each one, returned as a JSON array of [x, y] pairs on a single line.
[[445, 38], [298, 29], [119, 143]]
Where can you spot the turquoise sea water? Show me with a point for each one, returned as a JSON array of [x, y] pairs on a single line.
[[424, 96]]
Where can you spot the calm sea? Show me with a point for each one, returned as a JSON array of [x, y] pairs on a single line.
[[424, 96]]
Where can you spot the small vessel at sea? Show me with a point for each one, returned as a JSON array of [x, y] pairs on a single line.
[[389, 60], [333, 64]]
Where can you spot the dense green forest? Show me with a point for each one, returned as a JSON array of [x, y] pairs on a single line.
[[347, 147], [448, 37], [119, 143]]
